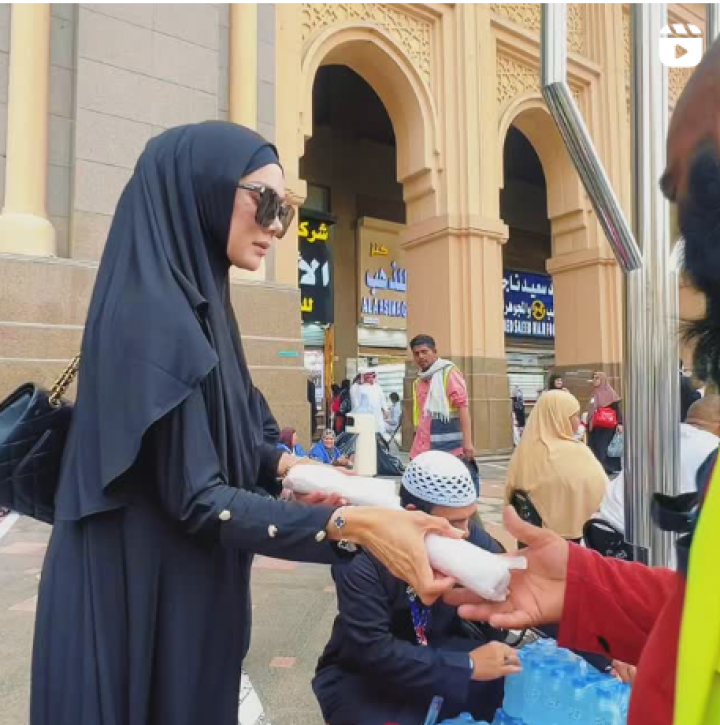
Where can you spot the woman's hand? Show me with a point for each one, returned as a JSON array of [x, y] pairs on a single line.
[[397, 539], [494, 660], [536, 594]]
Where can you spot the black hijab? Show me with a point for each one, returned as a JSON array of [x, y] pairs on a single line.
[[160, 322]]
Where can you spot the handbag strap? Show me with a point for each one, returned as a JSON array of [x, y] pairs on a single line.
[[63, 382]]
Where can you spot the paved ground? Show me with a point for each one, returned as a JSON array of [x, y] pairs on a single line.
[[294, 606]]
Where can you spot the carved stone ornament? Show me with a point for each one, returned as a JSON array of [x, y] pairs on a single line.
[[412, 34], [677, 78], [515, 78], [529, 16]]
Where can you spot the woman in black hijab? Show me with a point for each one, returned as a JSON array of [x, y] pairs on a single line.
[[144, 608]]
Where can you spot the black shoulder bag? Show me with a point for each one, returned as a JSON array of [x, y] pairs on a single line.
[[33, 428]]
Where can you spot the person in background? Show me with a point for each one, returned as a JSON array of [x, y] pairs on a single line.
[[556, 382], [326, 452], [388, 655], [371, 394], [518, 410], [688, 393], [334, 403], [395, 414], [699, 438], [343, 408], [604, 420], [355, 392], [312, 401], [563, 480], [289, 443], [441, 414]]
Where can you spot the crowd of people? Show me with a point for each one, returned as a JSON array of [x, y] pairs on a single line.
[[169, 484]]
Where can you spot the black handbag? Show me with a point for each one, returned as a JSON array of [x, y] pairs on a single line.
[[33, 428]]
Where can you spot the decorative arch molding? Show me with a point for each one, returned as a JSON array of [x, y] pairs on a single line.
[[376, 56], [529, 114]]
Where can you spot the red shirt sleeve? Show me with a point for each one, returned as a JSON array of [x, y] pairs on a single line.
[[611, 605], [456, 389]]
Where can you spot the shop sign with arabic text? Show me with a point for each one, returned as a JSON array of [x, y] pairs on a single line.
[[529, 310], [315, 269], [383, 277]]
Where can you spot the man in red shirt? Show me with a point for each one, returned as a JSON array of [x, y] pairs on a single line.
[[441, 414]]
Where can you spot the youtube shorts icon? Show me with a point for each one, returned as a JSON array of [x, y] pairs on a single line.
[[681, 45]]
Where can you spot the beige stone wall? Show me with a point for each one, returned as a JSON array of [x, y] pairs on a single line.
[[140, 69], [119, 75], [4, 66], [452, 78]]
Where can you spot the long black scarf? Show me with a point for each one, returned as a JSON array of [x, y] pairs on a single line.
[[160, 322]]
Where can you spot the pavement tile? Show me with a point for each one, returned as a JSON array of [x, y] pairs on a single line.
[[265, 562], [29, 605], [283, 662], [23, 547]]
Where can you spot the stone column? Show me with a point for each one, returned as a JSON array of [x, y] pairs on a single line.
[[24, 226], [242, 87], [455, 295], [243, 64]]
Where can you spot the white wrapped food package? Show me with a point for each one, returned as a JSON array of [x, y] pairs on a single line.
[[486, 574], [356, 490]]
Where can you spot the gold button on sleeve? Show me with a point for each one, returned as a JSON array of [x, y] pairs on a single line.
[[272, 531], [225, 515]]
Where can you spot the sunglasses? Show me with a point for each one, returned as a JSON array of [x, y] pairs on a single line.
[[270, 207]]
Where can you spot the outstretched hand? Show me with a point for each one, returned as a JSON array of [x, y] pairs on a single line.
[[536, 594], [397, 539]]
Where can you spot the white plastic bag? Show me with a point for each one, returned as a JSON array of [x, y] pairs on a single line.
[[486, 574], [356, 490]]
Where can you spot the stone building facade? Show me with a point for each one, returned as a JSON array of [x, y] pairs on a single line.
[[83, 88]]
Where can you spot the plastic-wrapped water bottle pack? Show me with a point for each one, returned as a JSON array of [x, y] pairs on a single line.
[[556, 687]]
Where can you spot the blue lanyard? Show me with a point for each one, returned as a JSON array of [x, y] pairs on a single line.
[[421, 617]]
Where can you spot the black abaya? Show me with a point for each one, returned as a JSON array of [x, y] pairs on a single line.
[[144, 608], [144, 612]]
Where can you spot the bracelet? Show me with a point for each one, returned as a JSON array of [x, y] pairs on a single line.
[[338, 521]]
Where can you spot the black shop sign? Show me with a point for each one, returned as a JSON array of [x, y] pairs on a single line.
[[315, 273]]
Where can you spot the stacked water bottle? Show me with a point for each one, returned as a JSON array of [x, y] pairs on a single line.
[[556, 687]]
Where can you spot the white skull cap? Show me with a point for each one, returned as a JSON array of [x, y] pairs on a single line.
[[440, 479]]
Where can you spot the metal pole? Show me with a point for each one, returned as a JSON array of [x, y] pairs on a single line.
[[651, 367], [577, 139], [712, 26], [651, 355]]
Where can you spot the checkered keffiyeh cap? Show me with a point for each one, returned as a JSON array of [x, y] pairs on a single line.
[[440, 479]]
